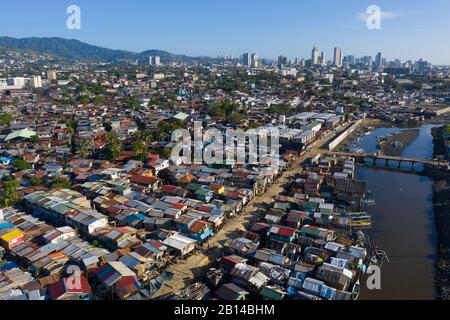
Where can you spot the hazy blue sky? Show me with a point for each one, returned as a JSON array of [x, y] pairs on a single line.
[[411, 29]]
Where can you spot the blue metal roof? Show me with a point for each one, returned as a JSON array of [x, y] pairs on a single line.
[[8, 266], [6, 225]]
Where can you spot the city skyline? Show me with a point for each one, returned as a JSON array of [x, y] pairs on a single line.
[[219, 28]]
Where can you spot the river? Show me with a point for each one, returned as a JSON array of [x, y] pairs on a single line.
[[403, 223]]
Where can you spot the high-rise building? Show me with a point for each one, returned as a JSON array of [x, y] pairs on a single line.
[[378, 60], [315, 56], [36, 82], [337, 61], [254, 60], [51, 75], [349, 59], [282, 61], [366, 60], [154, 60], [322, 59], [421, 66], [397, 63], [246, 59], [16, 82]]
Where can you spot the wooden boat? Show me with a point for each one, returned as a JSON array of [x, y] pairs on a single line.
[[360, 220], [369, 198], [356, 290], [378, 257]]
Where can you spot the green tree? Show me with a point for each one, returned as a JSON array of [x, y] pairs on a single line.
[[216, 112], [133, 103], [145, 135], [6, 119], [21, 165], [85, 148], [70, 131], [252, 125], [34, 138], [97, 244], [234, 118], [84, 100], [99, 100], [9, 195], [61, 183], [226, 110], [36, 181], [114, 145], [282, 109], [165, 128], [140, 149], [165, 153]]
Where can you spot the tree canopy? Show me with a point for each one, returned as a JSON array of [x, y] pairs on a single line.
[[9, 195], [114, 145]]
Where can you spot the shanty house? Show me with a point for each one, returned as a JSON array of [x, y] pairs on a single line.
[[180, 244]]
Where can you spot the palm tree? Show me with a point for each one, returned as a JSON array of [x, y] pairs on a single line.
[[140, 149], [147, 136], [9, 195], [114, 145], [85, 148], [70, 131]]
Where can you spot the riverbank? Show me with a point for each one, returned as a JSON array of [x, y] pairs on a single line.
[[441, 203], [391, 144], [440, 148], [396, 142]]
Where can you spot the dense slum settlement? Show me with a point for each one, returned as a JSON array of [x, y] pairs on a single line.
[[120, 226], [307, 246], [117, 225]]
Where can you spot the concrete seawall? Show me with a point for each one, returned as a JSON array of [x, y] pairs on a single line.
[[336, 142]]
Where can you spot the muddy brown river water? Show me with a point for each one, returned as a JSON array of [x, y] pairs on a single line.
[[402, 223]]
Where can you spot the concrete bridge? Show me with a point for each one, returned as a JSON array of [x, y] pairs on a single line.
[[362, 157]]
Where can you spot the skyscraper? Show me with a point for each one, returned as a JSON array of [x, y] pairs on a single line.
[[246, 59], [378, 60], [337, 57], [315, 56], [322, 58], [51, 75], [282, 61], [350, 59], [366, 60], [254, 60], [421, 66], [36, 82], [154, 60]]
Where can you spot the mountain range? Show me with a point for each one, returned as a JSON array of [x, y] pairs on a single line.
[[77, 50]]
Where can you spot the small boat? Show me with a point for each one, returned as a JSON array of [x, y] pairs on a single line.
[[369, 202], [358, 150], [369, 198], [360, 220], [377, 257], [356, 290]]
